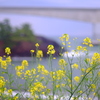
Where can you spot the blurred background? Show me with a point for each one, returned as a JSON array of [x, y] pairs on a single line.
[[44, 26]]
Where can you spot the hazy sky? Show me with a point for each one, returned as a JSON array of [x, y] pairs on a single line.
[[51, 3], [50, 26]]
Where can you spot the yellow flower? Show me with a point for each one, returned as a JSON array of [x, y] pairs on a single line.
[[87, 59], [88, 70], [42, 70], [2, 82], [28, 72], [95, 58], [51, 49], [52, 52], [32, 51], [7, 50], [39, 53], [8, 59], [62, 62], [4, 64], [63, 43], [70, 85], [0, 59], [15, 98], [54, 57], [19, 68], [90, 45], [74, 98], [62, 47], [83, 70], [77, 78], [68, 80], [79, 48], [37, 45], [69, 46], [84, 48], [64, 37], [45, 72], [33, 71], [80, 91], [89, 98], [57, 86], [99, 73], [36, 87], [10, 91], [94, 94], [87, 40], [93, 86], [75, 66], [24, 63], [60, 74], [18, 73], [69, 43]]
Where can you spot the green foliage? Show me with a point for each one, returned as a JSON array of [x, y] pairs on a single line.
[[9, 35], [23, 34], [5, 32]]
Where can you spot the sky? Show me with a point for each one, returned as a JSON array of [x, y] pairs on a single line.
[[51, 3], [50, 27]]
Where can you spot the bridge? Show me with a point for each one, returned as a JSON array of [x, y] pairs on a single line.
[[79, 14]]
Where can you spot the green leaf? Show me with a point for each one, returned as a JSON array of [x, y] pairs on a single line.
[[3, 72]]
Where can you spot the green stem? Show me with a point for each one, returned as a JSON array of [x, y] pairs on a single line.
[[50, 64], [81, 81]]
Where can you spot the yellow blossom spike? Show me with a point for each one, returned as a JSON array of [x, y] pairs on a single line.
[[37, 45], [10, 91], [75, 66], [7, 50], [62, 62], [77, 78], [32, 51], [24, 63], [39, 53], [93, 86]]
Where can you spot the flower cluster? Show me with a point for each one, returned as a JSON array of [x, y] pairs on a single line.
[[19, 69], [62, 62], [39, 53], [58, 75], [42, 70], [80, 48], [87, 41], [36, 88], [77, 78], [51, 49], [46, 82], [4, 63], [75, 66], [7, 50], [65, 37], [2, 85]]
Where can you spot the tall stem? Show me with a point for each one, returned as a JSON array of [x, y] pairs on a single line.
[[81, 82], [50, 64]]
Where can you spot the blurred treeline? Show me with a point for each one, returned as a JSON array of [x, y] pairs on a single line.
[[10, 35]]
